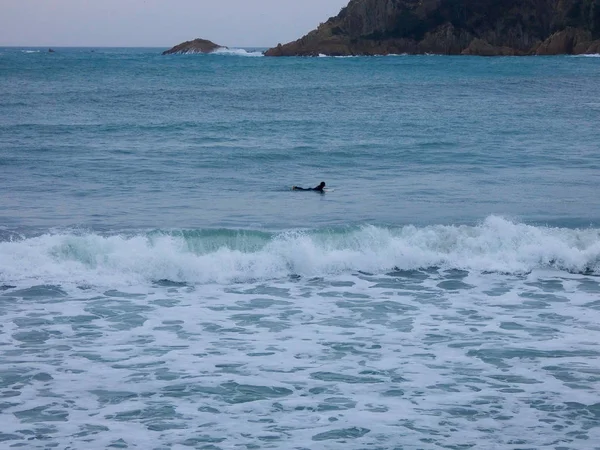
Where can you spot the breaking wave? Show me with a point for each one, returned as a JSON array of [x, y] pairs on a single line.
[[225, 256], [237, 52]]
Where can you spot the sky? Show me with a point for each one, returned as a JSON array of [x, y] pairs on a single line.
[[159, 23]]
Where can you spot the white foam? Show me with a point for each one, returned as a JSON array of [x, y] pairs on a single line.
[[455, 367], [496, 245], [321, 55], [237, 52]]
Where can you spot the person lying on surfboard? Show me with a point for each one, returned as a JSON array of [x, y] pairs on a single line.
[[319, 188]]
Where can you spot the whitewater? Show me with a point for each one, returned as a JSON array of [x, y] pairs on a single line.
[[161, 286], [230, 256]]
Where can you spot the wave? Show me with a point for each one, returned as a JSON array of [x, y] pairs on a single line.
[[237, 52], [388, 55], [225, 256]]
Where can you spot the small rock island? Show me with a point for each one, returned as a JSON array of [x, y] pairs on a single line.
[[454, 27], [195, 46]]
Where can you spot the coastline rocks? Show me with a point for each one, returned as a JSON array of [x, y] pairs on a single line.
[[479, 47], [594, 48], [450, 27], [445, 40], [195, 46], [570, 41]]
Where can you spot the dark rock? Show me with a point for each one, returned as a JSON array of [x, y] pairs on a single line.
[[195, 46], [594, 48], [479, 47], [453, 27], [445, 40], [568, 41], [50, 50]]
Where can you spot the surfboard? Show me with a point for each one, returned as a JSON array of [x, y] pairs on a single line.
[[293, 188]]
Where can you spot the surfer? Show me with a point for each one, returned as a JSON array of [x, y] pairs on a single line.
[[319, 188]]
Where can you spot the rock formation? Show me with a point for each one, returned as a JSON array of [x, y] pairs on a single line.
[[195, 46], [454, 27], [569, 41]]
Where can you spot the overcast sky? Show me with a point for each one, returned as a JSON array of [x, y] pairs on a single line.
[[159, 23]]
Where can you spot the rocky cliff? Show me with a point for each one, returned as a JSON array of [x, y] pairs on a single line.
[[195, 46], [453, 27]]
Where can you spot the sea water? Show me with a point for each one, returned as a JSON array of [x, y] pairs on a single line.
[[161, 287]]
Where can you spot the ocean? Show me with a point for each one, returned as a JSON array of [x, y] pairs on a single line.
[[162, 287]]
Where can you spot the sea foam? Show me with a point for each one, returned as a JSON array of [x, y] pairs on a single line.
[[237, 52]]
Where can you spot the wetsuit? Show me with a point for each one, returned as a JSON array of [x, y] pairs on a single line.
[[319, 188]]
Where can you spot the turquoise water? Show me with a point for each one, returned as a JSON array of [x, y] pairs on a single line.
[[162, 287]]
